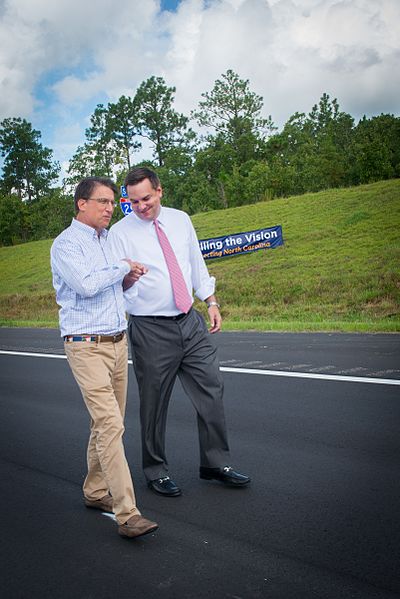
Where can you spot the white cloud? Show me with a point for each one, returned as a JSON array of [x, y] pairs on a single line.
[[60, 59], [39, 36], [292, 51]]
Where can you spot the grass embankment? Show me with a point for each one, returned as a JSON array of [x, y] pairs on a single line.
[[338, 270]]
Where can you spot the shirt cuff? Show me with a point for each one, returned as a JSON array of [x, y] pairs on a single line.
[[206, 289], [126, 266]]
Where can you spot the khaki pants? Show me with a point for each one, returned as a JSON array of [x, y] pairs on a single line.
[[101, 371]]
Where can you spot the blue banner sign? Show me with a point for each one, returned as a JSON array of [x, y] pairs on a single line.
[[241, 243]]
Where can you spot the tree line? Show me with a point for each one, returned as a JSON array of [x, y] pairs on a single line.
[[223, 154]]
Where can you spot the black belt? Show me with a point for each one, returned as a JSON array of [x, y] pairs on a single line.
[[97, 338], [160, 317]]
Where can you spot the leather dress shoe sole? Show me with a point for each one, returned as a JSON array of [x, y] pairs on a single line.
[[105, 504], [226, 475], [164, 486]]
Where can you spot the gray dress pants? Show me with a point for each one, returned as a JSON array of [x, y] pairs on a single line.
[[162, 349]]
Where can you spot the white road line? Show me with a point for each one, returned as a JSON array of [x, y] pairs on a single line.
[[32, 354], [310, 375], [299, 375], [108, 515]]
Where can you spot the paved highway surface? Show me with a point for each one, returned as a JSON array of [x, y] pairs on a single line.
[[320, 520]]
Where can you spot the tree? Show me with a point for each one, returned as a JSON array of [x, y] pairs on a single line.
[[13, 220], [333, 132], [198, 194], [312, 151], [124, 126], [51, 215], [158, 121], [215, 162], [28, 167], [376, 149], [101, 141], [100, 155], [234, 112]]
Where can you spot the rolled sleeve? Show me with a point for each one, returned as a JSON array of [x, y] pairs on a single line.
[[206, 289], [203, 283]]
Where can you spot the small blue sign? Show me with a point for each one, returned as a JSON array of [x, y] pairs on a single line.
[[124, 201], [126, 205]]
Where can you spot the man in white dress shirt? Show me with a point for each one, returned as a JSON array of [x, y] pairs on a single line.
[[167, 341], [88, 283]]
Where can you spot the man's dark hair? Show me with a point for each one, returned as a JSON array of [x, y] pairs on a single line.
[[85, 188], [139, 174]]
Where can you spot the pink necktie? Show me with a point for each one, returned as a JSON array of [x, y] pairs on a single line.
[[182, 298]]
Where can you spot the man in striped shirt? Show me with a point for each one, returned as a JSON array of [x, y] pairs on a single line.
[[88, 283]]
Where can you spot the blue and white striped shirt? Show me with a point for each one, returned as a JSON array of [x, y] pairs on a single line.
[[88, 282]]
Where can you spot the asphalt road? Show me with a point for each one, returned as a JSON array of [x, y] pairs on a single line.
[[320, 520]]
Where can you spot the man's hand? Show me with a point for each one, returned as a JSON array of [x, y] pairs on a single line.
[[137, 271], [215, 319]]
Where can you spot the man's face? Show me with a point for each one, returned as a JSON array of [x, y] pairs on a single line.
[[98, 209], [145, 200]]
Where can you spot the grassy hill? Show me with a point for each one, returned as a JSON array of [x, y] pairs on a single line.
[[338, 270]]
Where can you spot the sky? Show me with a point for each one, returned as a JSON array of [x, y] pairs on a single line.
[[59, 59]]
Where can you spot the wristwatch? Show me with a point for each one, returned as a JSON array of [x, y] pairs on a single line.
[[209, 304]]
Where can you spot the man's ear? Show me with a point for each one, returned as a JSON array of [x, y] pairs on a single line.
[[81, 205]]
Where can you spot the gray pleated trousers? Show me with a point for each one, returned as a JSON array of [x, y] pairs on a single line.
[[162, 349]]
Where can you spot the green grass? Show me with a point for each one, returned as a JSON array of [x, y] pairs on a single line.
[[337, 271]]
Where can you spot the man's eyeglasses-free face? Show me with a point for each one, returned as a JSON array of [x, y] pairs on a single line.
[[103, 201]]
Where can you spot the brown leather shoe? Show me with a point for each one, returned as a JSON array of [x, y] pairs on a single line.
[[105, 504], [137, 526]]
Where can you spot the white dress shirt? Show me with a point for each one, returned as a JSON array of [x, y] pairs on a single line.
[[136, 239], [88, 282]]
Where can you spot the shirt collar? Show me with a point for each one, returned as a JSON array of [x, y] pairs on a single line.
[[90, 231], [147, 223], [161, 217]]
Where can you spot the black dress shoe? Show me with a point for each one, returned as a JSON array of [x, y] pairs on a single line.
[[164, 486], [226, 475]]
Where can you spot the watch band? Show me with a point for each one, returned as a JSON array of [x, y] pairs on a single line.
[[209, 304]]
